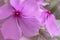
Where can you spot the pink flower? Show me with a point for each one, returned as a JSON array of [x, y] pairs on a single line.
[[50, 24], [20, 20], [48, 20], [25, 17]]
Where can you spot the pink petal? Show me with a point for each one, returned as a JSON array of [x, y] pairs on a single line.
[[6, 11], [29, 26], [42, 17], [51, 25], [17, 4], [11, 30], [42, 2], [30, 11]]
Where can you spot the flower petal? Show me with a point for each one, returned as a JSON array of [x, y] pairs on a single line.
[[30, 11], [17, 4], [29, 26], [51, 25], [42, 3], [11, 30], [6, 11]]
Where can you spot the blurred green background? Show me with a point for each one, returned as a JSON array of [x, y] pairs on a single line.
[[54, 7]]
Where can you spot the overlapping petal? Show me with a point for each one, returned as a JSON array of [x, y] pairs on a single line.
[[42, 16], [42, 2], [30, 11], [17, 4], [51, 25], [11, 30], [29, 26], [6, 11]]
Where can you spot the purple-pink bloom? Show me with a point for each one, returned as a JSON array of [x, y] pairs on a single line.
[[50, 24], [25, 17], [20, 20]]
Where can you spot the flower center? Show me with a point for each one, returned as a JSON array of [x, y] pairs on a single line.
[[48, 12], [17, 14]]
